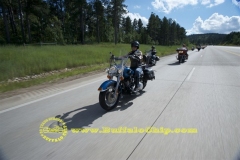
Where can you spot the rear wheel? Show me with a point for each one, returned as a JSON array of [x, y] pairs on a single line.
[[107, 99], [183, 59]]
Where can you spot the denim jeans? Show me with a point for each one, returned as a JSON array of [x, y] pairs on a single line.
[[137, 72]]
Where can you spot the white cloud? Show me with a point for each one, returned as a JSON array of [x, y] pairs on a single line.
[[148, 8], [205, 2], [216, 23], [137, 16], [168, 5], [236, 2], [215, 3]]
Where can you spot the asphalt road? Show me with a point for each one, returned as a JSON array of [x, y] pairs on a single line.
[[202, 93]]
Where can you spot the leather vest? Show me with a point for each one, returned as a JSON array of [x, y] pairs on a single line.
[[135, 63]]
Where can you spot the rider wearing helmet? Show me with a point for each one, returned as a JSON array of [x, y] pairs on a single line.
[[153, 50], [136, 59]]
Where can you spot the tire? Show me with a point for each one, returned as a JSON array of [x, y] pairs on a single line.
[[103, 96], [154, 62], [180, 59], [144, 84]]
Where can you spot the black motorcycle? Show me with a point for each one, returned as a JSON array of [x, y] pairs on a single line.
[[151, 58], [182, 55]]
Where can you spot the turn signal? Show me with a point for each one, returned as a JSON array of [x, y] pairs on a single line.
[[109, 77], [99, 89], [121, 78]]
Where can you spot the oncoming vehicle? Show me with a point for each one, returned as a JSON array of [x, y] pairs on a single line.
[[111, 90], [151, 58]]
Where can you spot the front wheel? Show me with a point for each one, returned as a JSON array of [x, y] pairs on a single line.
[[154, 62], [144, 84], [107, 99]]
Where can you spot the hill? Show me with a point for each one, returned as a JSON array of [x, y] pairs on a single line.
[[207, 39]]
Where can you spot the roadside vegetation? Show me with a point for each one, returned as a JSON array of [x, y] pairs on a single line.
[[17, 62], [232, 38]]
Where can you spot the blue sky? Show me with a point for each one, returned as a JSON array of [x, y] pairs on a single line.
[[196, 16]]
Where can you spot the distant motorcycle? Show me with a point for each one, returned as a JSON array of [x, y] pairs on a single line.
[[182, 55], [199, 48], [192, 48], [111, 90], [151, 58]]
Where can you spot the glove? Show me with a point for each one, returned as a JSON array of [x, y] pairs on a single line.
[[134, 57], [131, 56]]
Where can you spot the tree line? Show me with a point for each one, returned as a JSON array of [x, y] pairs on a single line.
[[207, 39], [232, 38], [81, 21]]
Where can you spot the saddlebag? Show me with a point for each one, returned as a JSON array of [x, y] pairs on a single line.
[[157, 58], [148, 74]]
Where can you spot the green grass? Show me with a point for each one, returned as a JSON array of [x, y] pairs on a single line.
[[4, 87], [22, 61]]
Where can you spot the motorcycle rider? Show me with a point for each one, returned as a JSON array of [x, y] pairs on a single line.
[[184, 46], [136, 59], [153, 50]]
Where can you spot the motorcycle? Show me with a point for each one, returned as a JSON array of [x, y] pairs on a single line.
[[199, 49], [192, 48], [182, 55], [151, 58], [111, 90]]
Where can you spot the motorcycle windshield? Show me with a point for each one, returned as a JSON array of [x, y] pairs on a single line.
[[117, 65]]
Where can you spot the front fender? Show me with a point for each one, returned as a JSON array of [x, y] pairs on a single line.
[[105, 85]]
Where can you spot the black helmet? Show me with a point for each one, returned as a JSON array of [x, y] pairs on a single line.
[[135, 44], [153, 47]]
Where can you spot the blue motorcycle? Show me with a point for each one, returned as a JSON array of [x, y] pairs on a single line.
[[111, 90]]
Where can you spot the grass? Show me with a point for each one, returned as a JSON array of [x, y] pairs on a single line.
[[23, 61], [4, 87]]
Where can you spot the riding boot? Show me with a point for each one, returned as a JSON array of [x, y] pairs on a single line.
[[136, 83]]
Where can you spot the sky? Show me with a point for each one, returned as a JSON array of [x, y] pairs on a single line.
[[196, 16]]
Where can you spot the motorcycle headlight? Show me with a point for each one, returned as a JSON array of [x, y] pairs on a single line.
[[120, 71], [112, 70]]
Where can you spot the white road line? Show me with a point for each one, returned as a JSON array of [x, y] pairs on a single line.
[[22, 105], [189, 76]]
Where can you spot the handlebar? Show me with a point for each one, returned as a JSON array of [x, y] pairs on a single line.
[[118, 58]]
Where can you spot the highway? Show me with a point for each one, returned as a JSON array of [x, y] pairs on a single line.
[[202, 93]]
